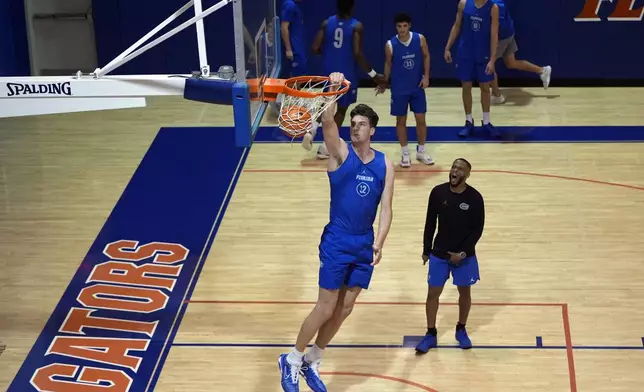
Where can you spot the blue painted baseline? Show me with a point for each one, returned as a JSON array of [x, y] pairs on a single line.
[[176, 197], [442, 134]]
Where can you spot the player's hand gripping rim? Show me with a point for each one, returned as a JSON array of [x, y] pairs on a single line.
[[377, 255]]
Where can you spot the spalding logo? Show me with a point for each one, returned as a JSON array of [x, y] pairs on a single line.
[[16, 89]]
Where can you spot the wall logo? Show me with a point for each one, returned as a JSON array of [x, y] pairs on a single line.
[[624, 11], [17, 89]]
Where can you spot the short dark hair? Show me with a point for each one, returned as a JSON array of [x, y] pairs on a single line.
[[345, 7], [402, 18], [368, 112], [469, 165]]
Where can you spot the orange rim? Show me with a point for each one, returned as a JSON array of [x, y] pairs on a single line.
[[307, 94]]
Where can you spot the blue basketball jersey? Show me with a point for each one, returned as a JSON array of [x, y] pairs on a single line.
[[297, 32], [356, 189], [506, 24], [337, 49], [475, 32], [407, 68]]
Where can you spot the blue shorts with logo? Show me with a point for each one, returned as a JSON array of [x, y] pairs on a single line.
[[465, 273], [345, 259], [469, 70], [350, 97]]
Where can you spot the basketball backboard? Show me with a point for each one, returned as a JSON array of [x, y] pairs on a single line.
[[260, 37], [257, 57]]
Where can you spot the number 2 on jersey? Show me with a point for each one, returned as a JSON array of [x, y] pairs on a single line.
[[338, 37]]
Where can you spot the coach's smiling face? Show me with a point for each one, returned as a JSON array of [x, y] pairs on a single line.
[[361, 129]]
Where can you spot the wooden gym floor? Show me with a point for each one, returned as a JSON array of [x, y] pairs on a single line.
[[558, 307]]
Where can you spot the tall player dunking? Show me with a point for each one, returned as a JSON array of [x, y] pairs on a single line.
[[339, 41], [477, 24], [361, 179]]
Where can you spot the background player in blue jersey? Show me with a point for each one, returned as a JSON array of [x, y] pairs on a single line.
[[361, 179], [339, 41], [293, 38], [477, 25], [506, 50], [460, 212], [407, 63]]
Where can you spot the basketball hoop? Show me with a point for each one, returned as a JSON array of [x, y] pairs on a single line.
[[304, 99]]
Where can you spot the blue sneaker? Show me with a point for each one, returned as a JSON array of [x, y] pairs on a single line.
[[468, 130], [312, 376], [464, 341], [428, 342], [290, 375], [489, 128]]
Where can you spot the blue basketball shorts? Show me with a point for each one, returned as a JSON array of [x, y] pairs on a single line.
[[345, 259], [350, 97], [297, 67], [465, 273], [402, 103], [471, 70]]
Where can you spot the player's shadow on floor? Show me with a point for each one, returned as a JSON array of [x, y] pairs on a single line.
[[521, 97]]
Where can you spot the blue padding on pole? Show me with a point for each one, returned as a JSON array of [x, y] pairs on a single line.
[[241, 112], [218, 92]]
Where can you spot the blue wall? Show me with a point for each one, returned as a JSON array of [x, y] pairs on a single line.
[[14, 45], [546, 32]]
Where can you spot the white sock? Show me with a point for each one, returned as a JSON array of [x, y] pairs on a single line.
[[421, 148], [405, 150], [468, 117], [315, 354], [314, 128], [486, 118], [295, 357]]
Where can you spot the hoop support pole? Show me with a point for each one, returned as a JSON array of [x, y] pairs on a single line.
[[201, 42], [118, 61], [164, 37]]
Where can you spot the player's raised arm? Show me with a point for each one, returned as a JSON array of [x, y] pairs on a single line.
[[338, 150], [386, 211], [456, 30], [361, 59], [316, 47]]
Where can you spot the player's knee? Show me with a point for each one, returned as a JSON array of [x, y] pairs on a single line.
[[511, 62], [325, 310], [465, 292], [467, 86], [420, 118], [401, 120], [434, 293], [485, 88], [325, 307], [347, 308]]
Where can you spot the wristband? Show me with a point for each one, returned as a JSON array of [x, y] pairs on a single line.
[[372, 74]]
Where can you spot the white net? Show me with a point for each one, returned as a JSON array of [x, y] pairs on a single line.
[[303, 101]]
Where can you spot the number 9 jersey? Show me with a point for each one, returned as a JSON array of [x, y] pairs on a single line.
[[337, 52]]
